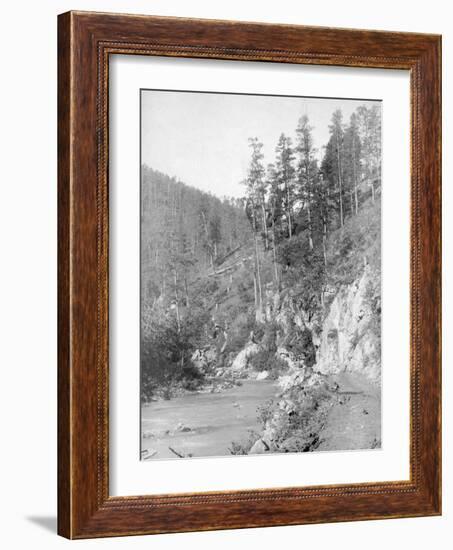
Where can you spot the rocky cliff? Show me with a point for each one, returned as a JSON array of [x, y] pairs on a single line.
[[350, 332], [329, 369], [343, 336]]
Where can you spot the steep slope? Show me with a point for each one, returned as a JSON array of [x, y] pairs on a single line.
[[341, 331], [317, 333], [326, 358]]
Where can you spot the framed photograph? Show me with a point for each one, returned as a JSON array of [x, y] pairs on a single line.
[[249, 275]]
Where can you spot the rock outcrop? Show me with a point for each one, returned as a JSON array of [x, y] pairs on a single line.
[[326, 353], [241, 360], [341, 336], [350, 337]]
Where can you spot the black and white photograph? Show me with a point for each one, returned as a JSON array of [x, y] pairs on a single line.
[[260, 270]]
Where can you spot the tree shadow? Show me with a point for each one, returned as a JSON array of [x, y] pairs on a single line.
[[49, 523]]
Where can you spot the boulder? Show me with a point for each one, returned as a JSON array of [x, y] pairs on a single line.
[[181, 428], [241, 360], [259, 447], [288, 381], [262, 375], [204, 360]]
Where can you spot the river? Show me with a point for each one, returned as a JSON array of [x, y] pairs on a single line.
[[203, 424]]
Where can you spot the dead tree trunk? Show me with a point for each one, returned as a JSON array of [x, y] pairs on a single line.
[[274, 254], [354, 174], [258, 276], [371, 184], [225, 335], [187, 292], [206, 232], [340, 183], [324, 241], [255, 289], [178, 318], [310, 228], [266, 238], [288, 212], [258, 272]]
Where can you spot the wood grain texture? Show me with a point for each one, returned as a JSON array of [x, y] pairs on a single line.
[[64, 368], [86, 40]]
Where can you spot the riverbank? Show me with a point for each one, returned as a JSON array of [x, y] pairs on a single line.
[[318, 413], [204, 423]]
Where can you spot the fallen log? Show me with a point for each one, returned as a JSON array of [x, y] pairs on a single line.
[[225, 269], [226, 256], [176, 453]]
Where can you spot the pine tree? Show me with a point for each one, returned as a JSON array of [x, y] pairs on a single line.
[[256, 212], [275, 211], [306, 170], [336, 142], [322, 206], [369, 124], [284, 167], [352, 165], [257, 185], [329, 171], [204, 213], [215, 234]]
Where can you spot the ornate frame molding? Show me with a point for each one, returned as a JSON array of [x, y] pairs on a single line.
[[86, 40]]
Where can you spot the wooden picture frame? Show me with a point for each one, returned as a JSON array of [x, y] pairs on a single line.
[[85, 42]]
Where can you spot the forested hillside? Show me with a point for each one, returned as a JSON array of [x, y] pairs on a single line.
[[283, 283], [185, 233], [189, 239]]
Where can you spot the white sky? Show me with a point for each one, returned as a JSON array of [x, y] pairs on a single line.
[[201, 138]]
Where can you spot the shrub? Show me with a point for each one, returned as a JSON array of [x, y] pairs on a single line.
[[305, 274], [211, 286], [243, 447], [239, 331], [165, 355], [265, 412], [299, 430], [258, 331], [269, 339], [266, 360], [300, 342], [261, 361], [190, 372], [240, 449]]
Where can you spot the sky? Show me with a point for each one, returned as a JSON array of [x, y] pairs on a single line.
[[202, 138]]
